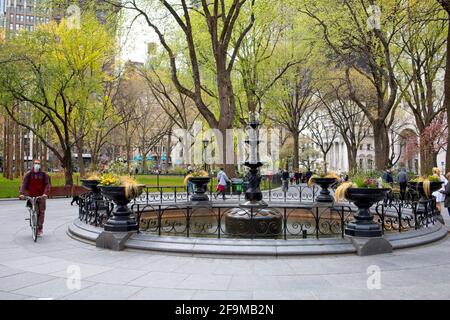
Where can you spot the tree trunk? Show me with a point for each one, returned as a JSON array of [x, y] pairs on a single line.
[[44, 154], [381, 141], [351, 156], [229, 168], [295, 137], [168, 150], [447, 94], [94, 161], [144, 163], [428, 158], [68, 168], [426, 161], [5, 148], [227, 109], [17, 147], [11, 148], [128, 147], [325, 168], [6, 160], [22, 153], [80, 158]]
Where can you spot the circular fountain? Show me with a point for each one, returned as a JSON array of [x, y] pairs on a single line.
[[253, 218]]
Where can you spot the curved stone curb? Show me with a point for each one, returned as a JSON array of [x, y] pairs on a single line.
[[260, 247], [418, 237]]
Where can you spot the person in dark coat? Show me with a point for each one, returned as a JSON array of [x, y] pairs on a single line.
[[285, 180], [402, 179], [308, 175], [387, 177], [36, 183]]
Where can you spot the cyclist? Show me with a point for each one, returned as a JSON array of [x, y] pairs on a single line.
[[36, 183]]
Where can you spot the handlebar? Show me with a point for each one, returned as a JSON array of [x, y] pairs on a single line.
[[31, 198]]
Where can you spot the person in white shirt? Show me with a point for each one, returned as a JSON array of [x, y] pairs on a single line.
[[222, 179], [440, 194]]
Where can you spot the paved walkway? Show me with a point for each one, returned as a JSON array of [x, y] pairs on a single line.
[[46, 269]]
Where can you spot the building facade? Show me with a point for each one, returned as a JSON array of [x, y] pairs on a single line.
[[23, 15], [2, 14]]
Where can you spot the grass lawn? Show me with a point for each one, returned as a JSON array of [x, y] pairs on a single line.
[[10, 188]]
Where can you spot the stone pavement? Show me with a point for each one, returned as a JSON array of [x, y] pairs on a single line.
[[47, 269]]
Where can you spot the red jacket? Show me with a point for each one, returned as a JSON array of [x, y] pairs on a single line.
[[35, 183]]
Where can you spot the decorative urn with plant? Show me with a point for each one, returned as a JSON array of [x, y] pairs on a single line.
[[91, 182], [121, 190], [200, 179], [324, 180], [425, 186], [363, 192]]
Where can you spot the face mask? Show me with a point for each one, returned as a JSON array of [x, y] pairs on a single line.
[[37, 167]]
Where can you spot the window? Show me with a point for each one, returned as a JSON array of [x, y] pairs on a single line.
[[369, 146], [361, 164], [11, 26], [369, 164], [360, 147]]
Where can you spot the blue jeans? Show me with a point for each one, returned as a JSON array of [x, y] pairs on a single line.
[[190, 187]]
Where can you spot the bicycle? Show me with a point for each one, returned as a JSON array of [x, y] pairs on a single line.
[[34, 214]]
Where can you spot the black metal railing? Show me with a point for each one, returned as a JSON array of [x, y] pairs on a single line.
[[94, 211], [210, 221], [296, 193], [167, 215]]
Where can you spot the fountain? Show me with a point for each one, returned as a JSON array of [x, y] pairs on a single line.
[[253, 218]]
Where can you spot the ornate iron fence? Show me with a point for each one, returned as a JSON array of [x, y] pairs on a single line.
[[171, 214]]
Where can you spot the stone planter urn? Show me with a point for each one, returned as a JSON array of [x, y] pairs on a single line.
[[120, 220], [424, 198], [201, 184], [364, 198], [324, 184]]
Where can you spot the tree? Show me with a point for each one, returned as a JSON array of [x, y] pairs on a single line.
[[152, 125], [433, 137], [267, 52], [217, 19], [424, 57], [106, 119], [55, 68], [309, 154], [349, 120], [293, 105], [368, 51], [323, 134], [446, 6]]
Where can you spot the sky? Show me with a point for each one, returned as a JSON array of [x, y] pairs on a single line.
[[135, 37]]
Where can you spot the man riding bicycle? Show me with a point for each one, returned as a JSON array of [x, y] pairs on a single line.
[[36, 183]]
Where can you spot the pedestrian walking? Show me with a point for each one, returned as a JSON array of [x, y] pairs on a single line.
[[446, 193], [440, 196], [223, 180], [285, 180], [402, 179]]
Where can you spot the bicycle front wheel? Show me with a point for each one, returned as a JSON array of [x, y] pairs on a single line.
[[33, 224]]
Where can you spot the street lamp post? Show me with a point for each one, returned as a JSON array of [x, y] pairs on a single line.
[[205, 145]]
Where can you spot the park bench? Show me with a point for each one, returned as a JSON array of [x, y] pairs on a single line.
[[66, 191]]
